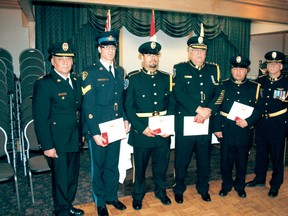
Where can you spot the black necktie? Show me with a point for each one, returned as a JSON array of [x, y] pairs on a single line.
[[67, 80], [110, 70]]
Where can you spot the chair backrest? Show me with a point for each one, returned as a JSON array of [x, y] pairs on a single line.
[[3, 144], [30, 136]]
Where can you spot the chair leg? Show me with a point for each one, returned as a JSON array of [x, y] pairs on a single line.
[[31, 185], [17, 192]]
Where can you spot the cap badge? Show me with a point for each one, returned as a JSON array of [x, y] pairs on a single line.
[[238, 59], [200, 40], [65, 46], [274, 55], [153, 45], [110, 38]]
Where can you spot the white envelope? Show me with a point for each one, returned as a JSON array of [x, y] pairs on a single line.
[[162, 124], [113, 130], [239, 110], [192, 128]]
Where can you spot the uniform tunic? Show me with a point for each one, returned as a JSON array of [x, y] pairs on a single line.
[[103, 101], [194, 86], [236, 141], [272, 129], [148, 93], [56, 111]]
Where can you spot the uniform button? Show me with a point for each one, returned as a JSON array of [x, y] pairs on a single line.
[[143, 95], [152, 76], [155, 102], [269, 89], [116, 93], [268, 96], [201, 101], [201, 84], [238, 92], [116, 114], [266, 104], [200, 75], [154, 84], [54, 123], [155, 93], [188, 82], [201, 92]]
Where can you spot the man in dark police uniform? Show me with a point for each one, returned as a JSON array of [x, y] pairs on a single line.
[[195, 95], [103, 86], [235, 134], [56, 110], [271, 131], [149, 94]]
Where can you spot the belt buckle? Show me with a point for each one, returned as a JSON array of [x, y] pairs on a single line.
[[155, 113]]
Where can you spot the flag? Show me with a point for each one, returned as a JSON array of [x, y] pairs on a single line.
[[108, 22], [152, 28]]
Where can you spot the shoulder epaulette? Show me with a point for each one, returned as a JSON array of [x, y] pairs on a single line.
[[253, 81], [164, 72], [226, 80], [133, 73], [212, 63], [264, 75]]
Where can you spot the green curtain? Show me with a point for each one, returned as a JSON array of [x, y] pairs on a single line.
[[80, 24]]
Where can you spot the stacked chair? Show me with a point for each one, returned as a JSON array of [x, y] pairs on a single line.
[[8, 169], [32, 67], [7, 101]]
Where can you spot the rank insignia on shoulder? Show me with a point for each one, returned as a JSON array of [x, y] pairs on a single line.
[[84, 75]]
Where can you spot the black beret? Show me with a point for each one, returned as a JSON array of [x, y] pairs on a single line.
[[107, 38], [61, 49], [240, 61], [150, 47], [275, 56], [197, 42]]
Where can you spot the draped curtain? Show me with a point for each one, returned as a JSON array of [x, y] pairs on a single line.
[[80, 24]]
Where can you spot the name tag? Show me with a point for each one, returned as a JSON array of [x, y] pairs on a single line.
[[102, 79], [62, 94], [188, 77]]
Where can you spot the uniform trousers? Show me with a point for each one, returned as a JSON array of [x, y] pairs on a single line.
[[104, 172], [230, 155], [184, 147], [270, 141], [160, 159], [65, 173]]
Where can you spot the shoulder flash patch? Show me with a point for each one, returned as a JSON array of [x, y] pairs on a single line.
[[164, 72], [84, 75]]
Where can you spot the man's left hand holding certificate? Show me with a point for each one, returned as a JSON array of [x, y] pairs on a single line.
[[113, 130]]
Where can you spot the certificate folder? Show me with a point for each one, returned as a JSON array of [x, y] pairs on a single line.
[[113, 130], [240, 111], [162, 124]]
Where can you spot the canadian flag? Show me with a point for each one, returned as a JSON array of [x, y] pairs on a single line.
[[108, 22], [152, 28]]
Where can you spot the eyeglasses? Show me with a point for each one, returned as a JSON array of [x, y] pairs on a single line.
[[113, 48]]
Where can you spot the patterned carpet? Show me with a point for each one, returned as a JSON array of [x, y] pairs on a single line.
[[42, 185]]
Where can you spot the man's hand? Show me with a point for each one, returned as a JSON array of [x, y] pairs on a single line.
[[148, 132], [51, 153], [203, 113], [99, 140], [127, 127], [218, 134], [241, 123]]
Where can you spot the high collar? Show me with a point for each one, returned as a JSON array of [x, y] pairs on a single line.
[[276, 78], [149, 72], [238, 82], [196, 66]]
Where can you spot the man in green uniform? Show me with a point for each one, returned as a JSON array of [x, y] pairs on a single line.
[[56, 108], [103, 87], [148, 95], [235, 133], [271, 130], [195, 95]]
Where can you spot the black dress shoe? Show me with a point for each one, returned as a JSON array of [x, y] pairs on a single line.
[[242, 193], [253, 183], [137, 205], [223, 192], [117, 204], [273, 193], [179, 198], [164, 200], [206, 197], [102, 211], [75, 211]]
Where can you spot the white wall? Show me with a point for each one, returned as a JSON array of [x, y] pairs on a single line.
[[174, 50], [13, 37]]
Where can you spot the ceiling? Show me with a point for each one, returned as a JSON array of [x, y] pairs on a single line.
[[255, 10]]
